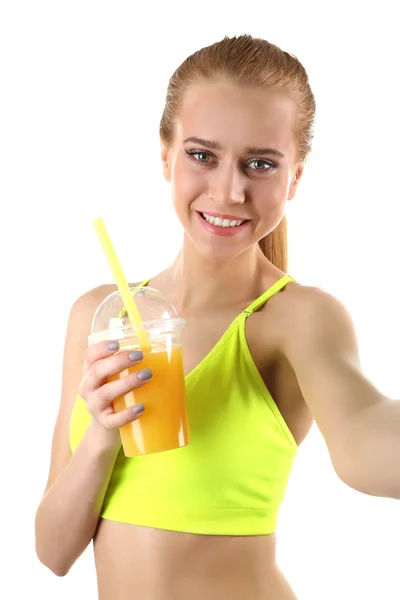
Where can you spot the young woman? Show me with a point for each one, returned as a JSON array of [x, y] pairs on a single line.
[[263, 355]]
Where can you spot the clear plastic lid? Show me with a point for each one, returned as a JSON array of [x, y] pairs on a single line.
[[159, 316]]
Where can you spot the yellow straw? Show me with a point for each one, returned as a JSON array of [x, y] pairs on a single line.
[[122, 284]]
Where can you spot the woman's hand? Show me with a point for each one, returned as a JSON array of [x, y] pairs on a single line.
[[101, 361]]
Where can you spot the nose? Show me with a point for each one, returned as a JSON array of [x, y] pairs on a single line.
[[227, 186]]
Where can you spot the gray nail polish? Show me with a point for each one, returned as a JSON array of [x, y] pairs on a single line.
[[135, 355], [112, 346], [138, 408], [145, 374]]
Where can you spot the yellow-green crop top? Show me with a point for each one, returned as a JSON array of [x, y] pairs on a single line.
[[232, 476]]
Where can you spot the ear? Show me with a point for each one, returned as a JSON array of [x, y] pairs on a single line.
[[296, 178], [165, 161], [295, 183]]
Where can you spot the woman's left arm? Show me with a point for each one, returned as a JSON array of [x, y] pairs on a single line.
[[361, 426]]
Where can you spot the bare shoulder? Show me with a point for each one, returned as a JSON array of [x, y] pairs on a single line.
[[92, 297], [309, 313], [311, 306]]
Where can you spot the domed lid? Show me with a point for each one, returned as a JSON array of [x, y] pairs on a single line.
[[158, 315]]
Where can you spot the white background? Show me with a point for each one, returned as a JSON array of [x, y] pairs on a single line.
[[82, 92]]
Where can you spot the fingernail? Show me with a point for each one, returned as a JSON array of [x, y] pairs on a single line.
[[145, 374], [135, 355], [112, 346], [138, 408]]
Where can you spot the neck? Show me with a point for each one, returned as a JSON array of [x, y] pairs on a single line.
[[195, 282]]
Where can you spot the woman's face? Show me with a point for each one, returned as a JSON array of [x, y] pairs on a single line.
[[241, 167]]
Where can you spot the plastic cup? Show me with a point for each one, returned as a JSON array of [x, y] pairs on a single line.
[[164, 425]]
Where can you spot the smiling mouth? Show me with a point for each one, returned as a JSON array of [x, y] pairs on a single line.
[[222, 221]]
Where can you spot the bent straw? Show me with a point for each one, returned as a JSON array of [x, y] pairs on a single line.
[[122, 284]]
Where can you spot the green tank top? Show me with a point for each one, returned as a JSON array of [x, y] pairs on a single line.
[[232, 476]]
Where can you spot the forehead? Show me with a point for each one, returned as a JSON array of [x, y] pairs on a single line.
[[237, 116]]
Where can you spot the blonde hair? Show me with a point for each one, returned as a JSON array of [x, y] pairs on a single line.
[[255, 62]]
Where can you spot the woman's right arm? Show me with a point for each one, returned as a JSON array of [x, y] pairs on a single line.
[[68, 514]]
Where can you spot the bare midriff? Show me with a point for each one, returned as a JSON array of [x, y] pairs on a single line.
[[141, 563]]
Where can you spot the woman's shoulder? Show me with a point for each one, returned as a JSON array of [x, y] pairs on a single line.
[[303, 300], [304, 310], [87, 302], [300, 301]]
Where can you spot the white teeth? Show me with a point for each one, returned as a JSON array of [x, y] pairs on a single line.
[[221, 222]]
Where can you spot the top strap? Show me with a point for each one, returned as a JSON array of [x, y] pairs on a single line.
[[278, 285], [144, 283]]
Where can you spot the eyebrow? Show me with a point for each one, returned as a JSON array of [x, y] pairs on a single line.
[[216, 146]]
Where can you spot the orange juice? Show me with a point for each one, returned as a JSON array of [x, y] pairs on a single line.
[[163, 425]]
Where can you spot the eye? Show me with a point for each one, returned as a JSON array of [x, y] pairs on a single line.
[[193, 153], [266, 165]]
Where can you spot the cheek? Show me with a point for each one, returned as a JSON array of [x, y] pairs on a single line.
[[186, 184], [271, 195]]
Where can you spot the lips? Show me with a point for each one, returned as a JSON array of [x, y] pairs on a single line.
[[221, 231]]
